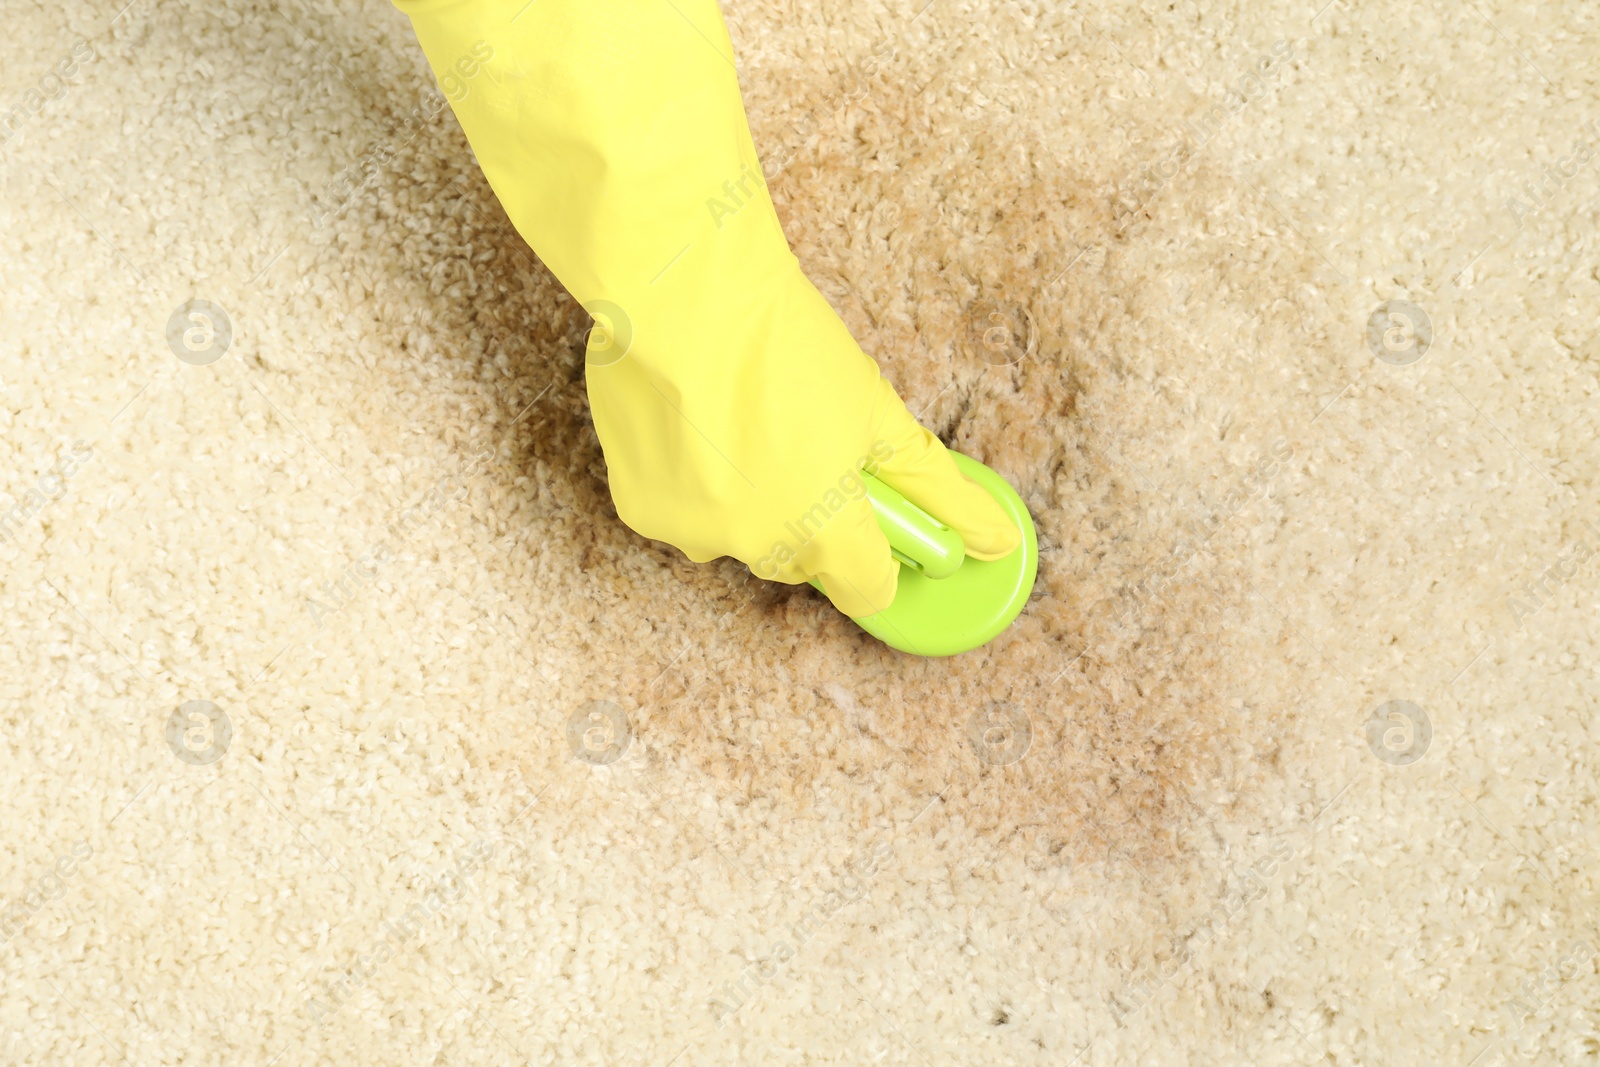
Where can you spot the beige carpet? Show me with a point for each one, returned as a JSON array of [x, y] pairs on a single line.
[[345, 723]]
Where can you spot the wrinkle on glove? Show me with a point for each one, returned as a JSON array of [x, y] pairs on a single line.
[[730, 400]]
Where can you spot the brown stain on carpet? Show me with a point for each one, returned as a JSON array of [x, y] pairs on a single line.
[[950, 264], [991, 281]]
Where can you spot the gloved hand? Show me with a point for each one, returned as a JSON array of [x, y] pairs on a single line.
[[732, 404]]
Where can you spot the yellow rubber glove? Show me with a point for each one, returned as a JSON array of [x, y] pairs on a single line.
[[732, 404]]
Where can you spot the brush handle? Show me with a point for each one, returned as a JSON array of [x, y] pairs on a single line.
[[917, 539]]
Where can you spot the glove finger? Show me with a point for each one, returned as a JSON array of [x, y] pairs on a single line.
[[921, 470], [850, 557]]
